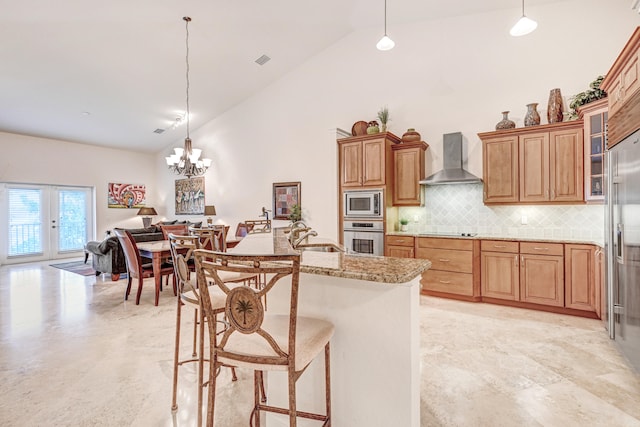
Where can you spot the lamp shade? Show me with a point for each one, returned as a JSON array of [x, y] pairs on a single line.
[[209, 210], [147, 211]]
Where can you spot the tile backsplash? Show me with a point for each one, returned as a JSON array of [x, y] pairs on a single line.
[[459, 209]]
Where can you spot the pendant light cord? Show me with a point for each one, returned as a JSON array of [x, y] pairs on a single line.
[[522, 7], [385, 17], [187, 20]]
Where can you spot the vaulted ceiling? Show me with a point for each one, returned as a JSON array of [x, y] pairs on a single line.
[[110, 73]]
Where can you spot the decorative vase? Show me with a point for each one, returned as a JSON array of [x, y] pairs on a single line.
[[404, 227], [373, 127], [411, 136], [555, 107], [532, 118], [383, 127], [505, 123]]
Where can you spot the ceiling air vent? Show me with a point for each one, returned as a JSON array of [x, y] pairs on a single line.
[[263, 60], [158, 130]]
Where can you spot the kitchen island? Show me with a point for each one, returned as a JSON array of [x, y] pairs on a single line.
[[374, 304]]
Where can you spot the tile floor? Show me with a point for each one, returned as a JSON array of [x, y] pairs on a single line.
[[72, 353]]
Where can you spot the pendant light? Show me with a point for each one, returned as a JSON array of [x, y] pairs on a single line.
[[524, 25], [186, 161], [385, 42]]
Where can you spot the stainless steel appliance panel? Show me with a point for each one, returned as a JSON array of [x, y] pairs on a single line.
[[364, 237], [363, 204], [624, 236]]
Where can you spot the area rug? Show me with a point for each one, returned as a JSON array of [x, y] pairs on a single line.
[[77, 267]]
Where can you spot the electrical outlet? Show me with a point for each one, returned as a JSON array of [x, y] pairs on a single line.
[[524, 219]]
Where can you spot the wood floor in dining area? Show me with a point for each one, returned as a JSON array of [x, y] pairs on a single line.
[[73, 353]]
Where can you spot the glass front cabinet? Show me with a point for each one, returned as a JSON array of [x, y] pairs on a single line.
[[595, 140]]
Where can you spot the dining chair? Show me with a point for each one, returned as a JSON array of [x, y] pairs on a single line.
[[182, 248], [135, 268], [258, 340], [179, 229], [212, 238]]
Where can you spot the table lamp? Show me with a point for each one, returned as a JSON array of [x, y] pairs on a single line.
[[146, 220], [209, 211]]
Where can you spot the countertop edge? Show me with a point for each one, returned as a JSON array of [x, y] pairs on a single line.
[[510, 238]]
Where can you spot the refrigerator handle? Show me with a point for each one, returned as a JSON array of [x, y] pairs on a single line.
[[620, 243]]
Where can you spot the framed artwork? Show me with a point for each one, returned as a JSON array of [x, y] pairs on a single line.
[[285, 196], [132, 196], [190, 196]]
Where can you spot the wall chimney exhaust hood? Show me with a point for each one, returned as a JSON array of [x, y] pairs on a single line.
[[452, 173]]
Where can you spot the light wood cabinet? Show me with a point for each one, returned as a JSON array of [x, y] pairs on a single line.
[[408, 169], [530, 272], [500, 169], [365, 161], [581, 285], [537, 164], [622, 84], [454, 267], [399, 246], [595, 116], [500, 270]]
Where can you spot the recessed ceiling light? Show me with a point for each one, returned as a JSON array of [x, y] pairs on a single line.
[[85, 114]]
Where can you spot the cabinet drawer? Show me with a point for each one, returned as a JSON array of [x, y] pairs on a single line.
[[541, 248], [400, 240], [499, 246], [446, 281], [440, 243], [448, 260]]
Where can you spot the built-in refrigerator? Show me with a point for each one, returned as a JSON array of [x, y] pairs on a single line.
[[623, 247]]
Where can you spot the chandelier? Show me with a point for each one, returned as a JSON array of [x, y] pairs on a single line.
[[186, 161]]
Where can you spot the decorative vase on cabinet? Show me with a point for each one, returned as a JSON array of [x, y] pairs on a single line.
[[555, 107], [532, 118], [505, 123]]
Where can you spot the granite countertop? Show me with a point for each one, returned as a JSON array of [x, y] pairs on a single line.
[[336, 264], [493, 237]]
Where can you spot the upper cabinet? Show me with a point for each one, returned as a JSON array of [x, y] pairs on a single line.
[[622, 85], [595, 115], [536, 164], [408, 169], [365, 161]]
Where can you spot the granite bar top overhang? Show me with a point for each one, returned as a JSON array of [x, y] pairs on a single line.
[[336, 264]]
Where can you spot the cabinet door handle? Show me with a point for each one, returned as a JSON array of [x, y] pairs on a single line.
[[540, 249], [522, 260], [553, 194], [516, 260], [400, 241], [444, 260], [546, 194], [499, 246], [446, 282]]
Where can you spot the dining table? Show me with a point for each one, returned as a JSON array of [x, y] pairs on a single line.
[[158, 251]]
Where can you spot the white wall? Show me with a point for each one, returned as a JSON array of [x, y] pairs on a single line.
[[33, 160], [443, 76]]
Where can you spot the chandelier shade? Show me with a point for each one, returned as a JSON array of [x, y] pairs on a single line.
[[385, 42], [524, 25], [186, 161]]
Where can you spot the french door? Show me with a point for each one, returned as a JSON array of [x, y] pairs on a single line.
[[41, 222]]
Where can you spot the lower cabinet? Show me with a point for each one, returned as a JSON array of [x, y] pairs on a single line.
[[454, 267], [500, 270], [566, 276], [399, 246], [542, 273], [582, 269]]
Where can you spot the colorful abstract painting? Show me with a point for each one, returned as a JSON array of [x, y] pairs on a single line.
[[131, 196], [190, 196], [285, 196]]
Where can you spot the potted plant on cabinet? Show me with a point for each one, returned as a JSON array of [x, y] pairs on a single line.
[[404, 224], [383, 116]]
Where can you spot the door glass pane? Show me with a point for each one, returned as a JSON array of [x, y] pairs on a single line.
[[596, 165], [72, 224], [596, 145], [25, 223], [596, 124]]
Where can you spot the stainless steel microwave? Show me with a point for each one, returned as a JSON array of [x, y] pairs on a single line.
[[363, 204]]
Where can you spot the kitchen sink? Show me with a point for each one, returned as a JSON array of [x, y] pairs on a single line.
[[320, 248]]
